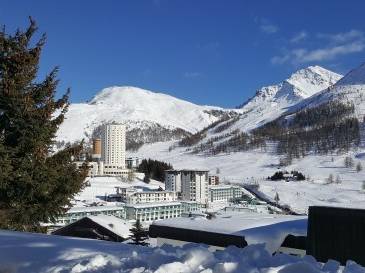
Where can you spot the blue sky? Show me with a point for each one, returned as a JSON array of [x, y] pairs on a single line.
[[208, 52]]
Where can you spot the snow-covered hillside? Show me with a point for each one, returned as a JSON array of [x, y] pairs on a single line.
[[137, 108], [269, 103], [256, 165]]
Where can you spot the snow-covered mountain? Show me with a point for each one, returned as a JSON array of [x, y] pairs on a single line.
[[271, 101], [152, 114], [350, 89]]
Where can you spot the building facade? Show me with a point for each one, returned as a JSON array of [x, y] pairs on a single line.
[[151, 197], [213, 180], [156, 211], [75, 214], [153, 211], [173, 180], [194, 186], [113, 147], [132, 162], [224, 193]]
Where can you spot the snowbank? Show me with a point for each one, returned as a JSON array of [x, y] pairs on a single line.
[[25, 252]]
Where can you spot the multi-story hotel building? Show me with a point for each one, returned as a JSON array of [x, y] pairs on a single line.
[[113, 149], [173, 180], [224, 193], [194, 185]]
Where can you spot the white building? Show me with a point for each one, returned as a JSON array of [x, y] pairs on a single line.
[[151, 197], [156, 211], [113, 148], [77, 213], [194, 185], [224, 193], [133, 195], [173, 180], [213, 180], [132, 162]]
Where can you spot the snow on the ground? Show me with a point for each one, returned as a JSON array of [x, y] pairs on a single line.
[[256, 166], [38, 253], [256, 228], [99, 187]]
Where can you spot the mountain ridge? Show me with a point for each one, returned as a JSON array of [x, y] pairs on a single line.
[[155, 113]]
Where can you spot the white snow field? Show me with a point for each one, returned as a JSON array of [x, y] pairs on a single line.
[[38, 253], [256, 166]]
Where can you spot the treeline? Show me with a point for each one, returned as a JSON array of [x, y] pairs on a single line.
[[211, 142], [194, 139], [322, 129], [226, 125], [339, 136], [322, 114], [154, 169], [236, 141]]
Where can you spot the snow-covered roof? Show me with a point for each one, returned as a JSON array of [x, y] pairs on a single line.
[[270, 229], [114, 224], [221, 187], [188, 170], [154, 204], [94, 208]]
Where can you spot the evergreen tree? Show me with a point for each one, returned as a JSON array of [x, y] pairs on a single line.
[[35, 185], [349, 162], [277, 198], [154, 169], [358, 167], [139, 234], [131, 176], [330, 179]]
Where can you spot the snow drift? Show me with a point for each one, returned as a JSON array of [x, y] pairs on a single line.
[[25, 252]]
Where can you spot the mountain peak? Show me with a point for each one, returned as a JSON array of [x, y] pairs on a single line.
[[310, 80], [115, 94], [300, 85]]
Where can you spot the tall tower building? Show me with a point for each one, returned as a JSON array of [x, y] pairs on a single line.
[[96, 149], [173, 180], [113, 146], [194, 185]]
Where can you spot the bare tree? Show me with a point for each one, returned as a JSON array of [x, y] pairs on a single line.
[[338, 180], [277, 198]]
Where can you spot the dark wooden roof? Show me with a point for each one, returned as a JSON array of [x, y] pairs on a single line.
[[86, 228], [196, 236]]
